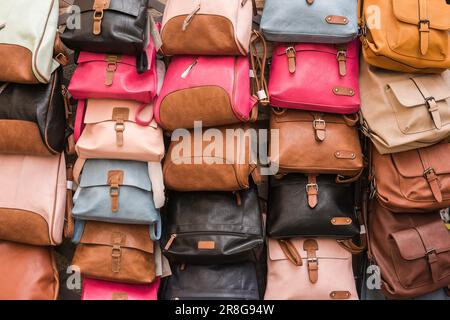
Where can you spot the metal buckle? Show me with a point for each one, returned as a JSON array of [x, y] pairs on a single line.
[[119, 127], [317, 121], [428, 171], [290, 49], [311, 260], [423, 22], [98, 15], [341, 52], [116, 251], [312, 185], [428, 100], [114, 191]]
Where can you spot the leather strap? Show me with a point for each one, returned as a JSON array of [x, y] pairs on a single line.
[[111, 67], [115, 180], [310, 2], [3, 87], [139, 110], [258, 63], [117, 241], [312, 190], [291, 55], [430, 175], [424, 26], [341, 57], [120, 115], [352, 247], [60, 52], [311, 246], [342, 179], [291, 252], [98, 7], [351, 119], [319, 126], [68, 220], [431, 254], [430, 101]]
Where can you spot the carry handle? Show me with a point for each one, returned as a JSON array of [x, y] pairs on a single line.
[[68, 219], [258, 64], [291, 252], [137, 118]]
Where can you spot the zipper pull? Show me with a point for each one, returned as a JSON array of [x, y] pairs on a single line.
[[292, 58], [169, 243], [189, 69], [341, 57], [189, 18]]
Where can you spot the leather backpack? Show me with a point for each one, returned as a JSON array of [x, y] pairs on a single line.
[[317, 143], [213, 227], [27, 272], [411, 249], [413, 181], [405, 35], [32, 118], [110, 26], [311, 206], [114, 252], [94, 289], [211, 282]]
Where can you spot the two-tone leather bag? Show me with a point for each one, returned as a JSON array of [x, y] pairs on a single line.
[[225, 168], [401, 111], [32, 205], [407, 36], [316, 77], [27, 272], [317, 21], [305, 269], [114, 252], [311, 206], [32, 118], [109, 26], [213, 227], [412, 251], [28, 34], [312, 142], [207, 27], [94, 289], [413, 181], [117, 191], [211, 282]]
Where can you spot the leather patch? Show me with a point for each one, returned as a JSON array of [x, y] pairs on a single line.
[[345, 155], [121, 114], [340, 295], [15, 64], [115, 177], [119, 296], [336, 20], [343, 91], [206, 245], [341, 221]]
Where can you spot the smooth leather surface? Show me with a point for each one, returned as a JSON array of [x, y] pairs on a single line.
[[395, 42], [94, 289], [400, 182], [286, 281], [215, 218], [300, 151], [399, 120], [396, 246], [123, 28], [232, 104], [212, 282], [27, 40], [218, 27], [135, 200], [311, 86], [37, 186], [88, 80], [299, 21], [289, 214], [41, 105], [27, 272]]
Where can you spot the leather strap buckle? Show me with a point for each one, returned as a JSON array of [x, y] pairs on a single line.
[[111, 67], [291, 54], [311, 246], [312, 185], [120, 115], [431, 256], [99, 7], [320, 126], [117, 240], [341, 57], [116, 251], [115, 179], [422, 22], [428, 172], [431, 103]]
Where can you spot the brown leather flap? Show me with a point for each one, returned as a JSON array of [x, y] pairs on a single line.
[[127, 236], [328, 249], [281, 50], [130, 7], [408, 95], [414, 243], [307, 116], [408, 164], [438, 13]]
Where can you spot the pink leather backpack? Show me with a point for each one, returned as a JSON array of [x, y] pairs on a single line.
[[315, 77], [94, 289]]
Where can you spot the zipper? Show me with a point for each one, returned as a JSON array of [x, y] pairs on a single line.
[[189, 69], [189, 18], [173, 236]]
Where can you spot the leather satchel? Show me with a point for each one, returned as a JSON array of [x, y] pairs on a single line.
[[316, 21], [306, 269], [32, 118], [114, 252], [412, 251], [407, 36], [29, 41], [316, 77], [313, 142], [207, 27], [27, 272], [413, 181], [94, 289], [225, 168], [32, 205], [401, 112], [213, 227], [117, 191], [110, 26], [311, 206], [211, 282]]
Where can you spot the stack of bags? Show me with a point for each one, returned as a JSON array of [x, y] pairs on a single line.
[[313, 218], [213, 232], [120, 147], [406, 114], [32, 140]]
